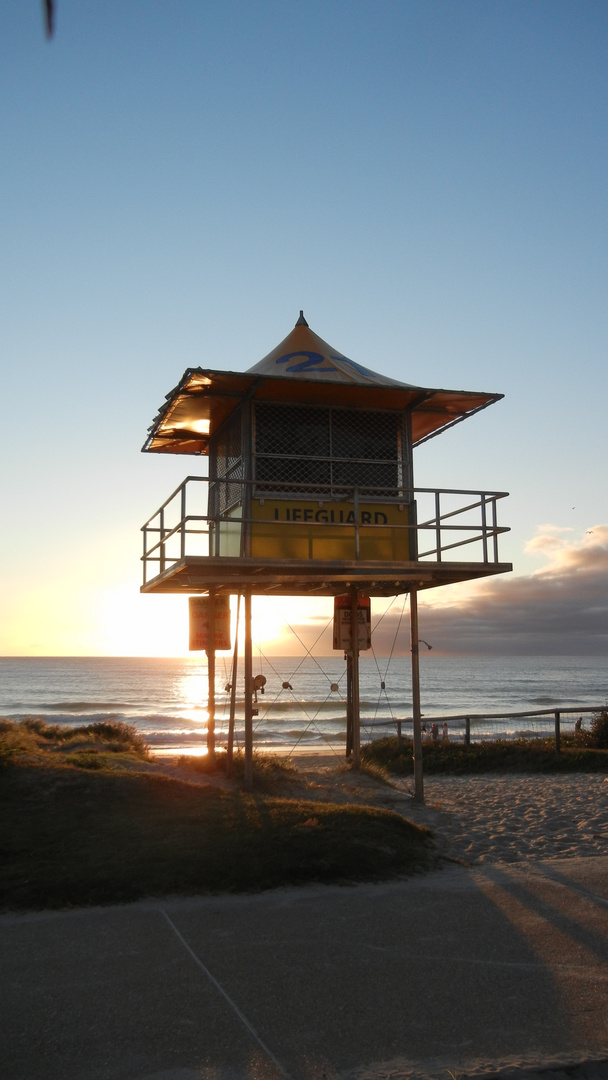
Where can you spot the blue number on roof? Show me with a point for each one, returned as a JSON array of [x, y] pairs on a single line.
[[312, 363], [357, 367]]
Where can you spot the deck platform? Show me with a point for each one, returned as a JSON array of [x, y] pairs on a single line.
[[307, 577]]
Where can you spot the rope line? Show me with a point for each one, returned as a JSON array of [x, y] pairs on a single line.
[[395, 636]]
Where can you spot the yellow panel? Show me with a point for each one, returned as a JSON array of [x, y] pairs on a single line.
[[295, 529]]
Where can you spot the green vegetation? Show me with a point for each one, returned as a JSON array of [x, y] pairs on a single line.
[[81, 823], [598, 736], [106, 741], [270, 772], [586, 751]]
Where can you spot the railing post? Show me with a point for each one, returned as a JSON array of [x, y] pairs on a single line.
[[484, 527], [467, 732], [438, 525], [494, 529], [145, 559], [161, 552], [182, 543], [557, 732]]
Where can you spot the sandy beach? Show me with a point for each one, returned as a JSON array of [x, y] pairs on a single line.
[[510, 818], [489, 818]]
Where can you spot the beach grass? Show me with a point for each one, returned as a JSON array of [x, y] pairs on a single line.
[[106, 740], [85, 825], [498, 755], [270, 772]]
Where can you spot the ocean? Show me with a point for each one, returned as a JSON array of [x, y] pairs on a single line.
[[165, 699]]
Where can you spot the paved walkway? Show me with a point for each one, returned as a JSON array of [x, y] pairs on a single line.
[[458, 972]]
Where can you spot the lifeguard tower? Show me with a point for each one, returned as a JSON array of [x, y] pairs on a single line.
[[310, 491]]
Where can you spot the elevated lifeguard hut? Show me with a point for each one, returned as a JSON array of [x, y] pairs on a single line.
[[310, 491]]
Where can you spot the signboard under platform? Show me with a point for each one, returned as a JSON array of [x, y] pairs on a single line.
[[199, 611], [342, 623]]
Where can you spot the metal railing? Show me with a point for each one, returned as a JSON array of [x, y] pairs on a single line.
[[450, 518], [473, 727]]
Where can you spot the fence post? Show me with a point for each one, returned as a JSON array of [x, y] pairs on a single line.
[[557, 733], [399, 739], [467, 732]]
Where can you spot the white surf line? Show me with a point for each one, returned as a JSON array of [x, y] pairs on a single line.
[[226, 997]]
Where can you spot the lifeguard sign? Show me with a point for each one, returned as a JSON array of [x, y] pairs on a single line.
[[343, 623], [292, 528], [198, 610]]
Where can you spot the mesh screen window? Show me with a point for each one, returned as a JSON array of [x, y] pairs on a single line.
[[302, 450]]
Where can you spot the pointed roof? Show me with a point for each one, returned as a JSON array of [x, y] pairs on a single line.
[[303, 369], [304, 354]]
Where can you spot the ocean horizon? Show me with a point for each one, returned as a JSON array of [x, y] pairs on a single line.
[[165, 698]]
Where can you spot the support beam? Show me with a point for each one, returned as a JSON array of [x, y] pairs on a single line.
[[248, 779], [354, 638], [418, 780], [211, 678], [235, 662]]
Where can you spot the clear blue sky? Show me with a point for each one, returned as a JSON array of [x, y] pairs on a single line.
[[426, 178]]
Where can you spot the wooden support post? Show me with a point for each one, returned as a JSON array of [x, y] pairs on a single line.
[[467, 732], [354, 639], [558, 746], [418, 780], [235, 662], [349, 705], [211, 677], [248, 779]]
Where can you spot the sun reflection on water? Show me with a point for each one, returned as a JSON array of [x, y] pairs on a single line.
[[190, 690]]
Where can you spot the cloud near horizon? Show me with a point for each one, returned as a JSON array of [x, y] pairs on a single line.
[[560, 609]]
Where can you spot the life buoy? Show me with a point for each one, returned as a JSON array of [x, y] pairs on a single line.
[[259, 683]]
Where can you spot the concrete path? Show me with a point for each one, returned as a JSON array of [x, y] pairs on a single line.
[[461, 971]]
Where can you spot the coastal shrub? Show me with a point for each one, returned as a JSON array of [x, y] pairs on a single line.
[[599, 730], [46, 731], [15, 739], [33, 736], [117, 732], [514, 755]]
